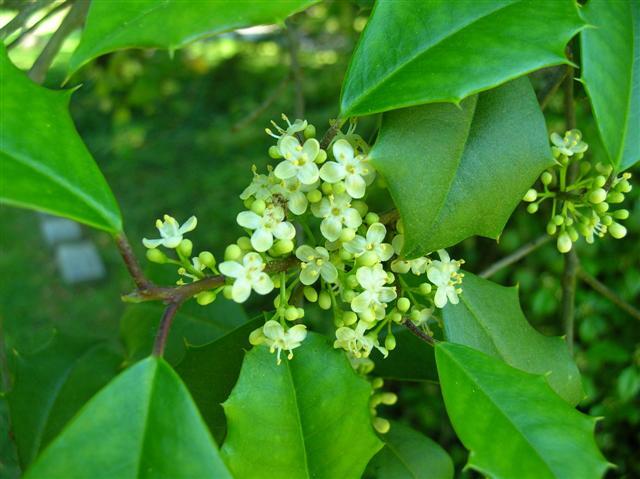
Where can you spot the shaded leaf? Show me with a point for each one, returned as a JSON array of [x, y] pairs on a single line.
[[170, 24], [512, 422], [415, 52], [611, 75], [308, 417], [143, 424], [45, 164], [412, 360], [455, 172]]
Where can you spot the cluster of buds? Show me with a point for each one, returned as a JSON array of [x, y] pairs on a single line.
[[309, 213], [581, 206]]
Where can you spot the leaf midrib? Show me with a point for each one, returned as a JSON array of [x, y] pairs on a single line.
[[482, 326], [145, 424], [401, 459], [299, 420]]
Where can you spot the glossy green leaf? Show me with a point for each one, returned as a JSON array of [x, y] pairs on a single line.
[[142, 425], [489, 318], [455, 172], [412, 360], [409, 454], [170, 24], [211, 370], [45, 164], [512, 422], [414, 52], [611, 75], [308, 417], [52, 385]]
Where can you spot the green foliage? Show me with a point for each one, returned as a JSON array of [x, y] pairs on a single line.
[[489, 319], [611, 75], [454, 172], [45, 164], [445, 51], [308, 417], [168, 24], [512, 422], [143, 424], [407, 453], [412, 360]]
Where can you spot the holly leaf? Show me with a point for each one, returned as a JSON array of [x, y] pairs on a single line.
[[143, 424], [52, 385], [408, 453], [307, 417], [211, 370], [45, 164], [170, 24], [414, 52], [489, 318], [513, 423], [611, 75]]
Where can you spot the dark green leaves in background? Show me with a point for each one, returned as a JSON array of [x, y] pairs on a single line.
[[308, 417], [417, 51], [512, 422], [611, 75], [170, 23], [455, 172], [45, 164], [143, 424], [489, 318]]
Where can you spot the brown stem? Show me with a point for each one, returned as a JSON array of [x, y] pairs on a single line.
[[419, 333], [331, 133], [296, 71], [516, 256], [163, 329], [39, 22], [390, 216], [131, 262], [609, 294]]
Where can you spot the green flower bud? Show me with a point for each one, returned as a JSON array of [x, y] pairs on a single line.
[[568, 221], [207, 259], [617, 230], [244, 242], [371, 218], [185, 247], [390, 342], [388, 398], [274, 152], [322, 157], [606, 220], [258, 207], [283, 246], [276, 302], [324, 300], [338, 322], [206, 297], [232, 253], [314, 196], [564, 243], [390, 277], [300, 313], [291, 313], [339, 187], [310, 131], [377, 383], [345, 255], [601, 207], [248, 202], [361, 207], [558, 220], [551, 229], [396, 317], [327, 189], [624, 186], [599, 181], [546, 178], [425, 288], [597, 196], [227, 292], [403, 305], [347, 234], [604, 169], [352, 281], [349, 295], [530, 195], [369, 258], [368, 316], [583, 229], [401, 267], [615, 197], [532, 208], [415, 316], [573, 234], [349, 318], [310, 293], [620, 214], [156, 256]]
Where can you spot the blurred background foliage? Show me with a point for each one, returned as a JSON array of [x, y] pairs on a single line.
[[179, 134]]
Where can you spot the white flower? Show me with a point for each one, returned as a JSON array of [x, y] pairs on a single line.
[[373, 242], [274, 335], [260, 187], [356, 171], [265, 227], [197, 272], [444, 275], [356, 342], [298, 160], [375, 294], [297, 127], [293, 191], [336, 210], [315, 263], [171, 232], [569, 145], [417, 266], [248, 275]]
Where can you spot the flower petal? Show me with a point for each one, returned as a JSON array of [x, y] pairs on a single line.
[[297, 203], [273, 330], [241, 290], [151, 243], [356, 186], [188, 225], [332, 172], [232, 269], [308, 173], [305, 253], [331, 228], [441, 297], [263, 284], [352, 218], [285, 169], [248, 219], [310, 149], [309, 274], [342, 150], [284, 230], [356, 246], [261, 240], [329, 272], [376, 233]]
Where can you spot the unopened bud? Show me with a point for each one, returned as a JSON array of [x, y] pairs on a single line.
[[551, 229], [599, 181], [314, 196], [369, 258], [347, 234], [324, 300], [390, 342], [258, 207], [310, 131], [291, 313], [310, 293], [185, 247], [207, 259], [283, 246], [617, 230], [424, 288], [361, 207], [322, 157], [227, 292], [232, 253], [597, 196], [403, 305], [327, 189], [349, 318], [245, 243], [532, 208], [530, 195], [615, 197], [339, 187], [620, 214], [601, 207], [381, 425], [156, 256], [546, 178], [206, 297], [371, 218], [564, 243], [274, 152]]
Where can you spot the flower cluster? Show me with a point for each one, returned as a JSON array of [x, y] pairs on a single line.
[[581, 202], [311, 236]]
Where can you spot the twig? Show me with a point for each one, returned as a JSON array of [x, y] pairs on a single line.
[[131, 262], [407, 323], [331, 133], [296, 71], [163, 329], [547, 94], [389, 216], [74, 19], [21, 18], [609, 294], [516, 256], [263, 106], [39, 22]]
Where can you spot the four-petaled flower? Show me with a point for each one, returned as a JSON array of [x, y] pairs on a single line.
[[248, 275], [569, 145], [171, 232], [299, 161], [278, 339], [265, 227], [444, 275], [293, 191], [336, 210], [260, 187], [373, 242], [297, 126], [315, 263], [375, 294], [356, 342], [356, 171]]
